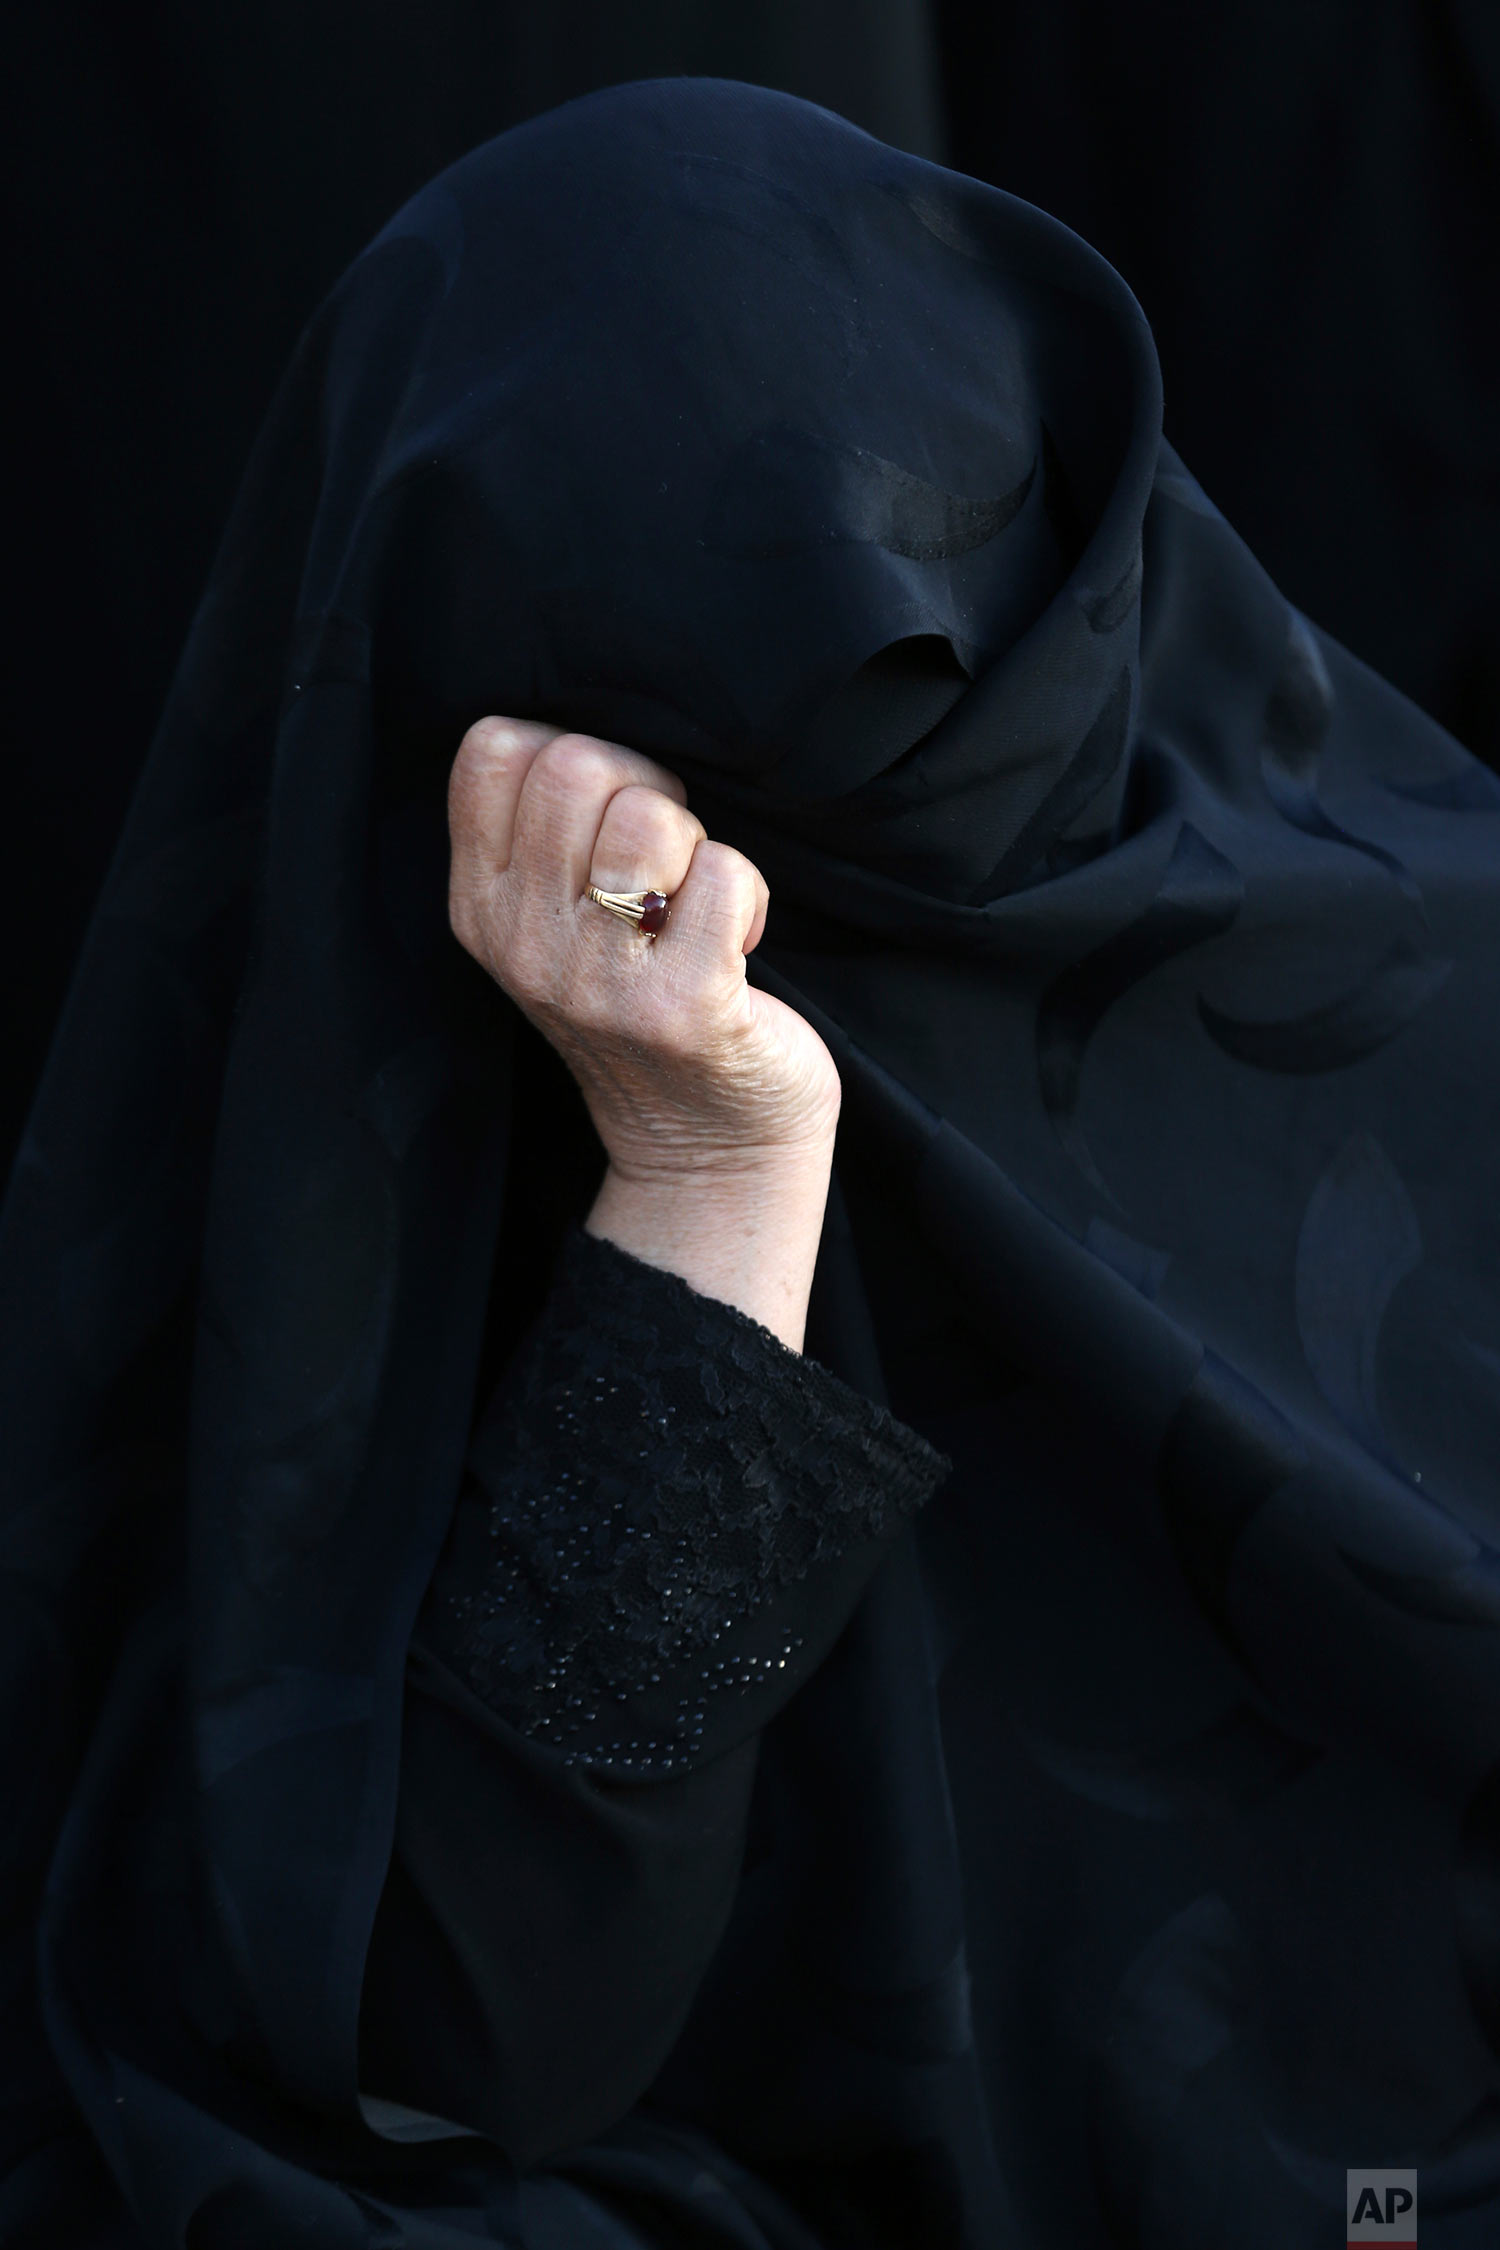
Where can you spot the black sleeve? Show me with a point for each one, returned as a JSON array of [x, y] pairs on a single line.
[[668, 1519]]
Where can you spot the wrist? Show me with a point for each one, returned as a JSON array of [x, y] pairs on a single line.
[[730, 1169], [743, 1228]]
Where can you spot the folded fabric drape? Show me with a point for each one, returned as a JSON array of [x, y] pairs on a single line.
[[1127, 1869]]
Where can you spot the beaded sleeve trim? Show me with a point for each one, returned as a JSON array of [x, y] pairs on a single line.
[[653, 1468]]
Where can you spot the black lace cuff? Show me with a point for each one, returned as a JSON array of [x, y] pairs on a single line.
[[664, 1502]]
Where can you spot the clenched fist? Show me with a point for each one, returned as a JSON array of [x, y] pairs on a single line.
[[686, 1069]]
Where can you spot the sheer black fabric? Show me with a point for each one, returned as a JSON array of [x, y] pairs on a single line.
[[1126, 1867], [712, 1470], [667, 1521]]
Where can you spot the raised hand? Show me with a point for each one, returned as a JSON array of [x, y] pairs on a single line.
[[716, 1104]]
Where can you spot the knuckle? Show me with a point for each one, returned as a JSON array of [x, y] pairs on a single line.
[[489, 738], [488, 743], [639, 818], [639, 800], [578, 763], [725, 867]]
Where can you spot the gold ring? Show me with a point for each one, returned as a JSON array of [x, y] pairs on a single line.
[[648, 910]]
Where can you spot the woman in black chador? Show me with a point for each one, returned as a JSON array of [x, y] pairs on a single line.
[[589, 1663]]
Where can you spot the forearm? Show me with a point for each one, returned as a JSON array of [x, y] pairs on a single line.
[[748, 1235]]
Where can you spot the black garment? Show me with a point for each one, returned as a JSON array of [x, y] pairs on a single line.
[[180, 195], [1125, 1870], [713, 1469], [668, 1520]]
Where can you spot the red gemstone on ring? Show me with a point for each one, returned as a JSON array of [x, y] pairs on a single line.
[[653, 912]]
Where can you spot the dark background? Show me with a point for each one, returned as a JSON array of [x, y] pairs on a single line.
[[1302, 193]]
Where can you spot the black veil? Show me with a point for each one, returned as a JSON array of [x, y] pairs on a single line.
[[1133, 1859]]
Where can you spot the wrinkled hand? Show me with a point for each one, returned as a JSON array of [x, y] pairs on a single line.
[[684, 1066]]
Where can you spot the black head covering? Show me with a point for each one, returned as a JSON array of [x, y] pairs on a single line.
[[1130, 1867]]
